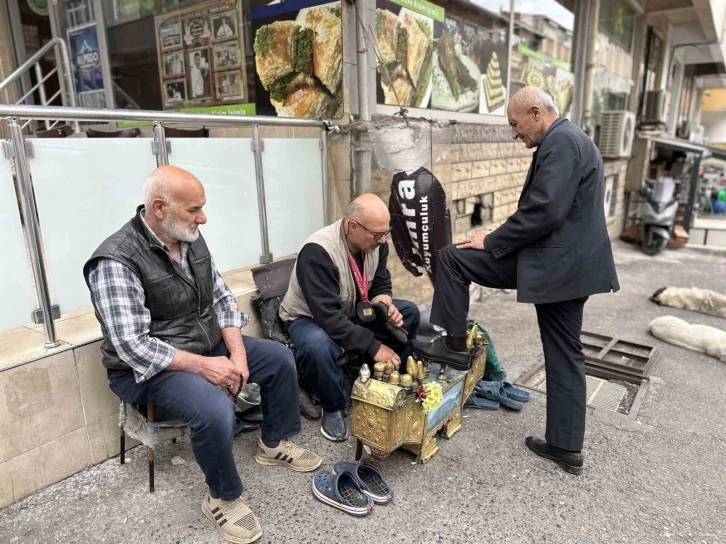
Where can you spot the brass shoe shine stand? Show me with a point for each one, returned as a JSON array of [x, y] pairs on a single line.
[[386, 415]]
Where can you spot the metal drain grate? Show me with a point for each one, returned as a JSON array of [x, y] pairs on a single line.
[[600, 393]]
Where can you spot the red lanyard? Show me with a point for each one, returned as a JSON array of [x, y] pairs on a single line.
[[361, 280]]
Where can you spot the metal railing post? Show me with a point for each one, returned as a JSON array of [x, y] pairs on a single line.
[[66, 78], [257, 149], [32, 227], [160, 148], [324, 171]]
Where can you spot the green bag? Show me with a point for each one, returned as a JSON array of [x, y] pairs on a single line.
[[493, 370]]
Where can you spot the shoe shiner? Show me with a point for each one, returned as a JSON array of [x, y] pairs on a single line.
[[171, 337], [340, 298], [554, 250]]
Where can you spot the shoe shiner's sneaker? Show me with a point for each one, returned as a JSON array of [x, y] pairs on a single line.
[[288, 454], [341, 491], [233, 519], [333, 426], [569, 461], [370, 480]]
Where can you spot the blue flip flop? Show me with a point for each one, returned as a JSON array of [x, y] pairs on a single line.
[[515, 393], [342, 491], [370, 480], [481, 403], [495, 391]]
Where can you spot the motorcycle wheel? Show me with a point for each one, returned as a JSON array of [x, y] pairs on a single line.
[[653, 243]]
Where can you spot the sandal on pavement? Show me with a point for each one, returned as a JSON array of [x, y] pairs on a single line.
[[481, 403], [342, 491], [370, 480], [495, 391]]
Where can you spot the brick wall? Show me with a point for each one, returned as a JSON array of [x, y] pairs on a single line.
[[483, 172]]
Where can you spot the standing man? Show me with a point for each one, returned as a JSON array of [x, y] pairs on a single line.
[[554, 250], [171, 337], [340, 274]]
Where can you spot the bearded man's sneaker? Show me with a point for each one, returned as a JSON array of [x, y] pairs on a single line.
[[233, 519], [288, 454]]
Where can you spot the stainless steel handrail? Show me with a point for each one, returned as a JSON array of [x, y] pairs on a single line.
[[64, 75], [89, 115]]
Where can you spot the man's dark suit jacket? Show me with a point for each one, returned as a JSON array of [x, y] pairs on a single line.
[[559, 233]]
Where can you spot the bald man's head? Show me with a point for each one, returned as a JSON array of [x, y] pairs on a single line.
[[367, 223], [173, 201], [531, 111]]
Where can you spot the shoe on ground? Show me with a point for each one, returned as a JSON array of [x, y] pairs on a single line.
[[334, 427], [307, 406], [288, 454], [233, 519], [436, 351], [569, 461]]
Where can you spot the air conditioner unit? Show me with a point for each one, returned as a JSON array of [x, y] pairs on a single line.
[[616, 133], [656, 103]]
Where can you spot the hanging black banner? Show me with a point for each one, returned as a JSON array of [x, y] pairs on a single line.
[[420, 220]]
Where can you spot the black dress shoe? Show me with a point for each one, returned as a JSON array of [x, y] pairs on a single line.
[[569, 461], [334, 427], [437, 352]]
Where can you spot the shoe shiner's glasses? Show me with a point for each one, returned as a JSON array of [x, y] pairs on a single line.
[[377, 236]]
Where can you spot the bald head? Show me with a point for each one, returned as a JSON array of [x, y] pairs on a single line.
[[531, 112], [530, 96], [173, 201], [168, 183], [367, 218]]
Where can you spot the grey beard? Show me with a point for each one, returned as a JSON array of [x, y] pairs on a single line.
[[174, 230]]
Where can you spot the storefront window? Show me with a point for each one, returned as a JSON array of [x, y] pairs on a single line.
[[612, 78], [233, 56], [542, 50]]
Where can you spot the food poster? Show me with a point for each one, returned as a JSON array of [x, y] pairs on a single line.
[[405, 50], [470, 69], [428, 59], [298, 58], [200, 55], [534, 68]]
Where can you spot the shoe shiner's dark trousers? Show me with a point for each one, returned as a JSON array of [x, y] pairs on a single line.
[[209, 411], [560, 325], [317, 354]]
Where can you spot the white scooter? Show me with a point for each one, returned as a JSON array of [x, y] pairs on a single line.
[[659, 214]]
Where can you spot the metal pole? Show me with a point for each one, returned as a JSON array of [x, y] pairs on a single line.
[[32, 227], [97, 114], [324, 169], [69, 84], [41, 90], [257, 148], [510, 39], [692, 194], [361, 138], [162, 153]]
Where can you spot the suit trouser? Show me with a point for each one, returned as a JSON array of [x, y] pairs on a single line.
[[560, 325]]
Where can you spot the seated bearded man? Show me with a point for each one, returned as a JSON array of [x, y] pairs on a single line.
[[171, 337]]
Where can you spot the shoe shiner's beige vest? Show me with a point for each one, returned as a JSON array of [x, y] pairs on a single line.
[[331, 239]]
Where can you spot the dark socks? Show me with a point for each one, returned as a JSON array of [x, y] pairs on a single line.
[[271, 445], [456, 343]]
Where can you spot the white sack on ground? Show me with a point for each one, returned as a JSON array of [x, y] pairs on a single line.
[[698, 300], [701, 338]]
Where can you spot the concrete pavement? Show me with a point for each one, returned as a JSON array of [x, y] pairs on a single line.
[[661, 479]]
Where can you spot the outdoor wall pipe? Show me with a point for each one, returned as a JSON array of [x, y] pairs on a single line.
[[32, 228], [361, 139], [589, 69]]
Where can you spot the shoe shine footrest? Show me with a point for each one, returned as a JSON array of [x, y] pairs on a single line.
[[386, 418]]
